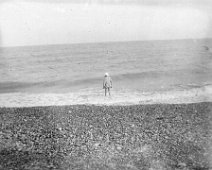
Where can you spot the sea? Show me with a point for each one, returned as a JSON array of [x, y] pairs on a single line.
[[142, 72]]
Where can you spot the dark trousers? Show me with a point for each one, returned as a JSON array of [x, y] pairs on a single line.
[[107, 89]]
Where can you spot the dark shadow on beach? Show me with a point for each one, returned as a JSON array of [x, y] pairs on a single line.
[[26, 138], [14, 159], [162, 136]]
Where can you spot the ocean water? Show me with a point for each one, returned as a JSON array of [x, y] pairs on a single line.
[[138, 69]]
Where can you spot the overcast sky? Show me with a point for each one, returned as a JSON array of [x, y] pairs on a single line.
[[28, 22]]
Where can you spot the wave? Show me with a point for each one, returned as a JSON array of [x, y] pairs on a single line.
[[147, 80]]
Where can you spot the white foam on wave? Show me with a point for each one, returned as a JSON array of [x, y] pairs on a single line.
[[118, 97]]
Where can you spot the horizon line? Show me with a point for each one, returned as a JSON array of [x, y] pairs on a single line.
[[102, 42]]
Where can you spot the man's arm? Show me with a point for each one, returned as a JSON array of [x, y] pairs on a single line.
[[103, 83]]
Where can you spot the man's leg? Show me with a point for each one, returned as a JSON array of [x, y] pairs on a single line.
[[109, 90], [105, 91]]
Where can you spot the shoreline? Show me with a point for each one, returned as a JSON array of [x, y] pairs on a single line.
[[90, 97]]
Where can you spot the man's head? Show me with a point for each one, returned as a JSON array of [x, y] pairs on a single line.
[[106, 74]]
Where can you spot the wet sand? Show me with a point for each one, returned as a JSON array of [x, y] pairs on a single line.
[[96, 96], [148, 137]]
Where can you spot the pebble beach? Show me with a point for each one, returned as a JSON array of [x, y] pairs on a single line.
[[132, 137]]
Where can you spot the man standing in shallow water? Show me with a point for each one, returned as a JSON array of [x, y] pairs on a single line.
[[107, 83]]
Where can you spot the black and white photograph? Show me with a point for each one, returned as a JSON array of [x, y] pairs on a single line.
[[105, 85]]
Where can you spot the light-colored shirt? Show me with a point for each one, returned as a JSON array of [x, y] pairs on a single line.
[[107, 83]]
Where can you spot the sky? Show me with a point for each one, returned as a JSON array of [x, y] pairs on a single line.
[[38, 22]]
